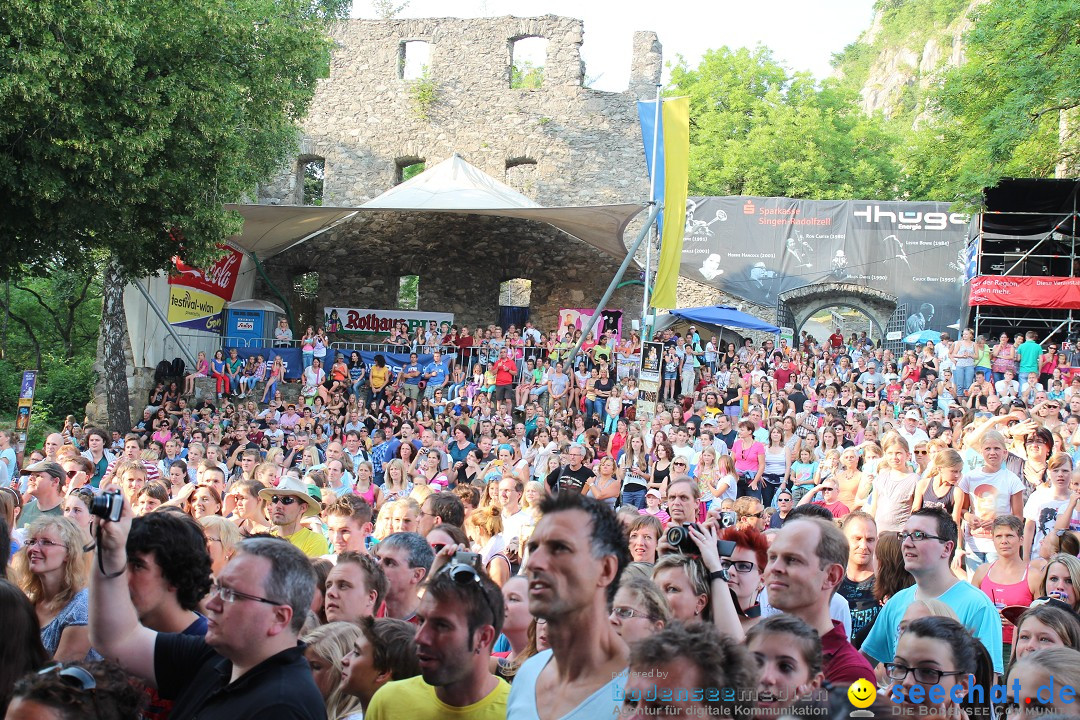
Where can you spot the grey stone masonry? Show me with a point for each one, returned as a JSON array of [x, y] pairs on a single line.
[[364, 121]]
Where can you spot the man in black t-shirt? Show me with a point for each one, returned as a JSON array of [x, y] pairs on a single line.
[[572, 477]]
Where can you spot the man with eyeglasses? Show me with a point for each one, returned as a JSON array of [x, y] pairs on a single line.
[[460, 617], [928, 543], [806, 564], [286, 505], [572, 477], [250, 664]]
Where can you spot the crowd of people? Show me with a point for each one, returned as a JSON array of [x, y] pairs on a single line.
[[487, 535]]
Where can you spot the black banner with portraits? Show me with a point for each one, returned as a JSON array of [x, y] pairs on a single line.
[[756, 248]]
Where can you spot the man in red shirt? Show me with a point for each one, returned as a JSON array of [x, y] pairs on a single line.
[[505, 369], [836, 340], [807, 562]]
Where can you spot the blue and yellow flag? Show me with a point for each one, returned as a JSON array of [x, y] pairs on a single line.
[[672, 173]]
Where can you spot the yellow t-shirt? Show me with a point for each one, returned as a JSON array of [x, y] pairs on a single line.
[[311, 543], [414, 699]]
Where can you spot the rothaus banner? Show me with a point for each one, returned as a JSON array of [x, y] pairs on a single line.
[[756, 248]]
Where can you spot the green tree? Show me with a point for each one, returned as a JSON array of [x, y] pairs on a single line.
[[126, 125], [756, 129], [1000, 114]]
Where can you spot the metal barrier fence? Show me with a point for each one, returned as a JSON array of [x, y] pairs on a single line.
[[466, 358]]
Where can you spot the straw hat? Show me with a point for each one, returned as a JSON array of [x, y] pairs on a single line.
[[293, 487]]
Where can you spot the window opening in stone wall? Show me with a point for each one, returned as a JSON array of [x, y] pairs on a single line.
[[527, 58], [408, 168], [414, 57], [516, 292], [306, 286], [408, 297], [313, 174], [521, 175]]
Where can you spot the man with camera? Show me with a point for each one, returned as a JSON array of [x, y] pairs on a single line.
[[250, 664]]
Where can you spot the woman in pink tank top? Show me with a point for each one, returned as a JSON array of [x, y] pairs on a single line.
[[1005, 581]]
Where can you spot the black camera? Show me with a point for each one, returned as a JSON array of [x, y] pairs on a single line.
[[678, 537], [108, 506]]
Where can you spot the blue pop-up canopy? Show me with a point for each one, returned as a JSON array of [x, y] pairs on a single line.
[[725, 316]]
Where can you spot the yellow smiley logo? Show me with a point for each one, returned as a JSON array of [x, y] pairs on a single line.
[[862, 693]]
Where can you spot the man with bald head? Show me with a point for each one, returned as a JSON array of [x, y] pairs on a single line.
[[53, 443]]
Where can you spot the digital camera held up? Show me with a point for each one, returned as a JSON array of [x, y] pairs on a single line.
[[678, 536], [108, 506]]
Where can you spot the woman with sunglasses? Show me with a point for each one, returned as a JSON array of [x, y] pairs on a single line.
[[52, 569]]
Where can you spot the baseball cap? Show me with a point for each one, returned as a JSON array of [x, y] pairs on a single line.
[[48, 467], [912, 415], [653, 491], [1012, 613]]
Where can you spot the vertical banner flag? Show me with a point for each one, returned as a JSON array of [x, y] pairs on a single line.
[[672, 175]]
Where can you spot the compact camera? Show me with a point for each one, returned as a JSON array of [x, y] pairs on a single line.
[[678, 537], [108, 506]]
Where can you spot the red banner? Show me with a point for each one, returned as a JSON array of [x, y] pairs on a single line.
[[219, 279], [1031, 292]]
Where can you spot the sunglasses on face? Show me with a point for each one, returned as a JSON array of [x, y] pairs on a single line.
[[283, 500]]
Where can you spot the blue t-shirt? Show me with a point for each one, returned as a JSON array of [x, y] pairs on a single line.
[[972, 606], [437, 371], [415, 380], [521, 705]]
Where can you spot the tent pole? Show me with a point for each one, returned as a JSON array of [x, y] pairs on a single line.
[[652, 197], [184, 349], [614, 281]]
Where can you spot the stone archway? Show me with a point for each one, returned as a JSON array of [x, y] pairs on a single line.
[[800, 304]]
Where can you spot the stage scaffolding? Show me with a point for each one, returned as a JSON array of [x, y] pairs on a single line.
[[1029, 228]]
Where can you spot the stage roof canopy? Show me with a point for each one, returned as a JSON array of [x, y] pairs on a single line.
[[451, 187]]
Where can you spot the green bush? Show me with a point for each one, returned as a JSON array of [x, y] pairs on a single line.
[[65, 389]]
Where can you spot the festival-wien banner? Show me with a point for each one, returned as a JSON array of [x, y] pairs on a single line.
[[757, 247], [196, 297], [368, 321]]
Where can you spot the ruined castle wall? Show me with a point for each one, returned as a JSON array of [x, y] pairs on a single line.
[[560, 144]]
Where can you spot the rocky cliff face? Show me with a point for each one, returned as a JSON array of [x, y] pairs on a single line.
[[903, 52]]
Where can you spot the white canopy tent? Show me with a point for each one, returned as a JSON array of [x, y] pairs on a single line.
[[453, 186]]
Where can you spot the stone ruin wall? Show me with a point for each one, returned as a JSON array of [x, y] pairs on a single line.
[[586, 146]]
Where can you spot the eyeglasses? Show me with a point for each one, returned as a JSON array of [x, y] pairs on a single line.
[[828, 489], [230, 595], [922, 452], [42, 543], [464, 574], [741, 566], [927, 676], [625, 613], [919, 536], [678, 464], [283, 500], [73, 473]]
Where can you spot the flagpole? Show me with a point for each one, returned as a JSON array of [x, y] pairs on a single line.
[[652, 199]]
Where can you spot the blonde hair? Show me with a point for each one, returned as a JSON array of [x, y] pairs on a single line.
[[76, 564], [399, 464], [943, 460], [894, 439], [382, 522], [485, 520], [332, 642], [535, 485], [227, 529], [1072, 565], [420, 493]]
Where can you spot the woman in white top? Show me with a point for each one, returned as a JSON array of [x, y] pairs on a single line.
[[314, 377], [776, 464]]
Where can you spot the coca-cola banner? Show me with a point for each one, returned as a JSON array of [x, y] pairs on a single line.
[[1061, 293], [756, 248], [219, 279]]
